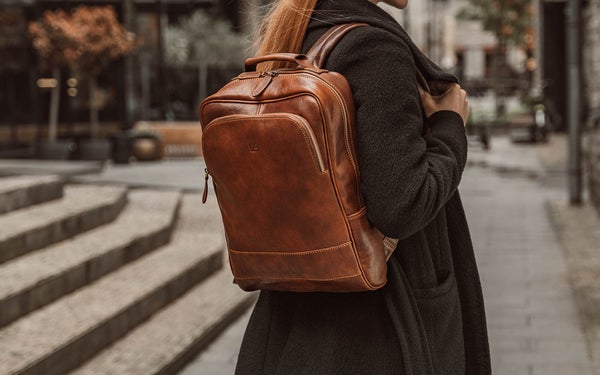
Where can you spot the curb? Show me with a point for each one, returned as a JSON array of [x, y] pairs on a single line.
[[578, 230]]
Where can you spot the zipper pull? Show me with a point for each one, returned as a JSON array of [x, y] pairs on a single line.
[[266, 81], [205, 193]]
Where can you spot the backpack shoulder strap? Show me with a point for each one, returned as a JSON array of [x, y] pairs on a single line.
[[324, 45], [319, 52]]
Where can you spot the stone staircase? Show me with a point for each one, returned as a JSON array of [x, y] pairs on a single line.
[[106, 280]]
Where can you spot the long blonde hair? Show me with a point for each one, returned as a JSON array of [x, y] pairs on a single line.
[[283, 29]]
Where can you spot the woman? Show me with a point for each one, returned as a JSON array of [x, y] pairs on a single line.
[[429, 318]]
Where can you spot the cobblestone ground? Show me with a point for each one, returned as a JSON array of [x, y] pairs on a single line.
[[533, 323]]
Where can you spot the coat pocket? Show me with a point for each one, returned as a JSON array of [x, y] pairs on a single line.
[[440, 311]]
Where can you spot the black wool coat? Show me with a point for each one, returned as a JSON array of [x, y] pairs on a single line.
[[429, 318]]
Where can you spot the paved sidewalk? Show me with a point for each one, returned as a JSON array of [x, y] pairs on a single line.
[[533, 322], [505, 156], [221, 356], [185, 174], [579, 228]]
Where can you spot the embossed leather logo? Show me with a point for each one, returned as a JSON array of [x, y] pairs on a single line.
[[253, 147]]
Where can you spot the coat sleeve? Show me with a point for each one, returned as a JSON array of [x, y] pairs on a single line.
[[406, 177]]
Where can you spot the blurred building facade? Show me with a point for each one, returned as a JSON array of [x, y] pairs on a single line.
[[149, 90], [458, 45], [591, 71], [153, 91]]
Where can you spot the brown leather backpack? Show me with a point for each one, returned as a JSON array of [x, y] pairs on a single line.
[[280, 148]]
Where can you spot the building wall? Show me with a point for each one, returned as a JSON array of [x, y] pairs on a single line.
[[433, 27], [592, 53], [591, 70], [27, 103]]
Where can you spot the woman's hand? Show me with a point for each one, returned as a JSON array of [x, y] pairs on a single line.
[[454, 99]]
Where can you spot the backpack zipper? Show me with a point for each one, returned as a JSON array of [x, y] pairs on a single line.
[[205, 193], [266, 81], [346, 130]]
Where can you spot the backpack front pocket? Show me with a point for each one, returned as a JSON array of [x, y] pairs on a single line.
[[274, 187]]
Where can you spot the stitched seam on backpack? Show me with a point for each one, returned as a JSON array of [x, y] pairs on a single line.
[[311, 148], [346, 134], [358, 214], [297, 278], [307, 139], [287, 253]]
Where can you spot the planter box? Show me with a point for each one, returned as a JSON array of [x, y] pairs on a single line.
[[147, 147], [121, 147], [96, 149], [54, 150], [177, 139]]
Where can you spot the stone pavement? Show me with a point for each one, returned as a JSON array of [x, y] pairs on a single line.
[[579, 228], [533, 322], [187, 175], [221, 356]]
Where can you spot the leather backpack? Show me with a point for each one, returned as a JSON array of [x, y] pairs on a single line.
[[280, 147]]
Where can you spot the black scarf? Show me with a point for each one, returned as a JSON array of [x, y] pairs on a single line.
[[332, 12]]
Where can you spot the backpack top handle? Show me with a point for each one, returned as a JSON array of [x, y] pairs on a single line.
[[315, 58], [301, 60]]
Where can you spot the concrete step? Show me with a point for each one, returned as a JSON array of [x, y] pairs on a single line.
[[59, 337], [80, 209], [34, 280], [23, 191], [65, 168], [175, 335]]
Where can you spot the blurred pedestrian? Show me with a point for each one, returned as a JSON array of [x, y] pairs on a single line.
[[429, 318]]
